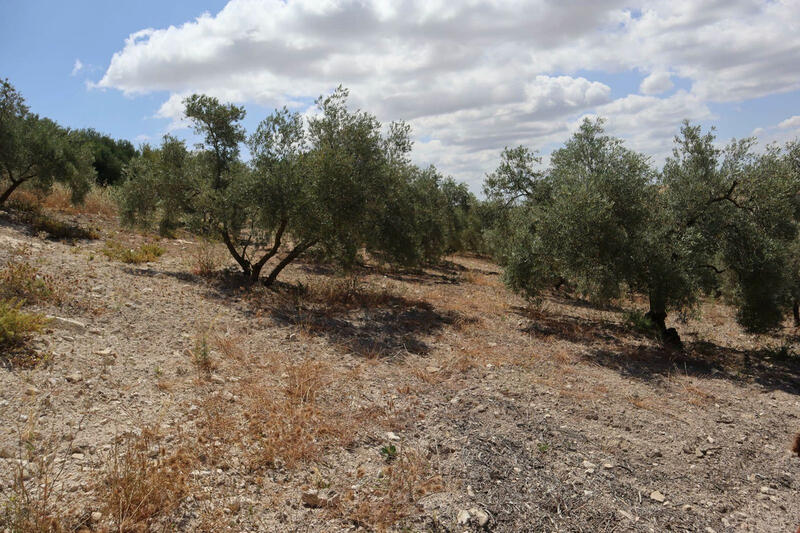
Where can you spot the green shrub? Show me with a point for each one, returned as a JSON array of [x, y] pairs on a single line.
[[16, 326], [639, 321], [144, 253]]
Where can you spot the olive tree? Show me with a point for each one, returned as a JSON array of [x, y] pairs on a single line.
[[325, 182], [38, 151], [602, 218]]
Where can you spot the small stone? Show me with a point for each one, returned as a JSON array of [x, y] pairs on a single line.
[[31, 391], [318, 499], [463, 517], [608, 466], [97, 516], [392, 436], [481, 517], [216, 378], [66, 323], [75, 377], [589, 465], [470, 492], [656, 496], [625, 514]]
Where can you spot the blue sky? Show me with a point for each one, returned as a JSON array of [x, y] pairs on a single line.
[[470, 78], [40, 41]]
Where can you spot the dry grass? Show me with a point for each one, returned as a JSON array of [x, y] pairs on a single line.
[[206, 260], [144, 481], [99, 201], [201, 354], [393, 494], [35, 500], [295, 426], [351, 292], [21, 281], [144, 253], [697, 396]]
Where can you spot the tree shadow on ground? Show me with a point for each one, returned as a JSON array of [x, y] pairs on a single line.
[[578, 330], [640, 356], [370, 323], [389, 329], [34, 223]]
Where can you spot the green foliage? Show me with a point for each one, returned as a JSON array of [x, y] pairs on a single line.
[[333, 182], [16, 326], [39, 151], [639, 321], [110, 155], [389, 453], [144, 253], [602, 219]]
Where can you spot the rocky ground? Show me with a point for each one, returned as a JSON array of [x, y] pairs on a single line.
[[165, 397]]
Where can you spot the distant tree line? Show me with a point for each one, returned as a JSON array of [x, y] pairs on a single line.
[[37, 152]]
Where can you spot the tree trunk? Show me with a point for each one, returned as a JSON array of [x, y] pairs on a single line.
[[796, 312], [247, 267], [291, 256], [7, 192], [256, 268], [658, 315]]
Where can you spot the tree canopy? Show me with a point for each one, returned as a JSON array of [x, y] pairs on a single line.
[[38, 151], [334, 182], [602, 218]]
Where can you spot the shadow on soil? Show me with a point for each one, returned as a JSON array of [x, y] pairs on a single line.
[[637, 356], [365, 323], [392, 328]]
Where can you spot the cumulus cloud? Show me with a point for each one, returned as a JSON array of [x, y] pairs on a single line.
[[790, 123], [77, 67], [656, 83], [474, 76]]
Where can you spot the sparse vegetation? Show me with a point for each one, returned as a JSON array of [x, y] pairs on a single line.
[[144, 480], [17, 327], [23, 282], [144, 253]]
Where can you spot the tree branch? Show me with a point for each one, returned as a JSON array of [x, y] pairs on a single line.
[[291, 256], [244, 263]]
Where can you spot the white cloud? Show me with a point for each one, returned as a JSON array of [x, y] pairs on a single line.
[[790, 123], [474, 76], [77, 67], [656, 83]]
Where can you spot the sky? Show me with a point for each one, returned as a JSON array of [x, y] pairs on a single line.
[[471, 77]]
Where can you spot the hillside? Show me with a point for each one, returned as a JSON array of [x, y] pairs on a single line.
[[166, 397]]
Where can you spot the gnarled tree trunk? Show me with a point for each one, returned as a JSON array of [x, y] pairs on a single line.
[[658, 315]]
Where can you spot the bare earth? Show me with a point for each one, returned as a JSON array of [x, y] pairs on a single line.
[[410, 401]]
